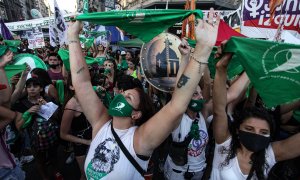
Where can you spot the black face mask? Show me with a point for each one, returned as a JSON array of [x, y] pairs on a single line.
[[53, 65], [254, 142]]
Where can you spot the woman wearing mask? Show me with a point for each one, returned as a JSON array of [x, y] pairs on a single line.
[[76, 129], [245, 151], [110, 73], [129, 115]]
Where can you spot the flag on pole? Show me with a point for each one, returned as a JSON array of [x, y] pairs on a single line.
[[52, 35], [60, 25], [273, 68], [4, 31], [143, 23]]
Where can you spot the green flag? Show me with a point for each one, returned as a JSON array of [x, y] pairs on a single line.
[[87, 42], [11, 70], [143, 23], [11, 45], [273, 68], [65, 57], [96, 34], [234, 67]]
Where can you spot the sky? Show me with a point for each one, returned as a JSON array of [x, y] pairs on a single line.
[[68, 5]]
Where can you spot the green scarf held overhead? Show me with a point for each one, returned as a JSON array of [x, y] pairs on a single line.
[[273, 68], [11, 70], [96, 34], [234, 67], [11, 45], [87, 42], [143, 23], [65, 57], [59, 85]]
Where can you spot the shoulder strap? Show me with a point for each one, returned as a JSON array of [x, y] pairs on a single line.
[[127, 154]]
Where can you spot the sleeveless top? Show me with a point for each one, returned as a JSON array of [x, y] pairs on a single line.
[[80, 126], [105, 160], [55, 76], [232, 171]]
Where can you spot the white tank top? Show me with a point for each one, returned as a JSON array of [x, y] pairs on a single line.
[[232, 171], [105, 160], [196, 149]]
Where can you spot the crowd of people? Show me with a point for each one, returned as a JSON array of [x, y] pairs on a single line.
[[118, 125]]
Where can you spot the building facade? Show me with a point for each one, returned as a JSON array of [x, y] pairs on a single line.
[[13, 10], [42, 6], [3, 14]]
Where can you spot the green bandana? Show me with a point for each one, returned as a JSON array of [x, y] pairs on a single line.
[[273, 68], [87, 42], [196, 105], [143, 23], [11, 45], [65, 57], [96, 34], [120, 107], [11, 70], [107, 71], [27, 117], [59, 85], [194, 131], [234, 67]]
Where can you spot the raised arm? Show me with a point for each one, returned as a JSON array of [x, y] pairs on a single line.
[[92, 107], [184, 50], [220, 125], [238, 88], [20, 85], [156, 130], [5, 94], [288, 148]]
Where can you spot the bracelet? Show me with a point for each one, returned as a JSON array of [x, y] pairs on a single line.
[[200, 62], [73, 41]]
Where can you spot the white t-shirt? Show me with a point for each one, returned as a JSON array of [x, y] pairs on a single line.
[[232, 171], [105, 160], [196, 148]]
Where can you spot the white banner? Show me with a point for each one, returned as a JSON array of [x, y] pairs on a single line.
[[29, 24]]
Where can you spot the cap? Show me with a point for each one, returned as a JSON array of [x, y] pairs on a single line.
[[123, 53]]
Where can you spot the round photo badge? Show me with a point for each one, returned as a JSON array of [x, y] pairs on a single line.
[[160, 59]]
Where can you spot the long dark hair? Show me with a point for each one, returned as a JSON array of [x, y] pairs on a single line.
[[68, 93], [145, 106], [43, 76], [258, 159]]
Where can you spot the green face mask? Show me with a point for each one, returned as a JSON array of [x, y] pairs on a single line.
[[196, 105], [120, 107]]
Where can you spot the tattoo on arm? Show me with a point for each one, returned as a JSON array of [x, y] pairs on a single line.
[[182, 81], [81, 69]]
